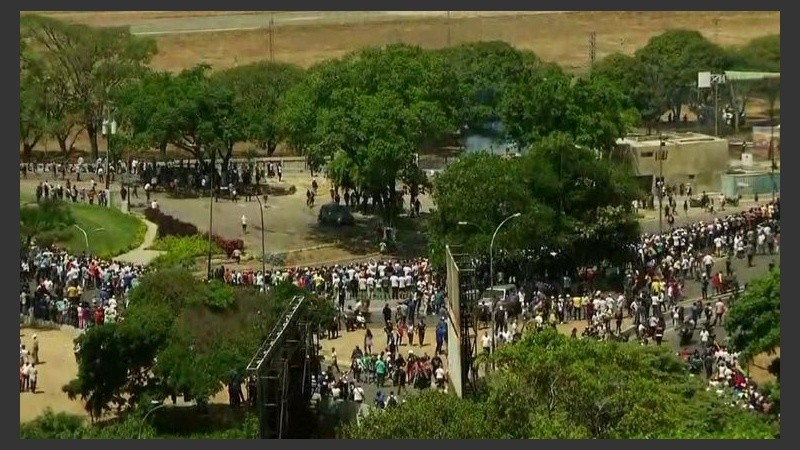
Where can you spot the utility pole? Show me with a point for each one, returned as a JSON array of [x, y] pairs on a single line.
[[271, 33], [661, 156], [592, 48], [716, 30], [716, 109], [211, 212]]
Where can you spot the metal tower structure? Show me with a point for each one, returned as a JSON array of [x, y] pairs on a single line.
[[284, 366], [463, 292]]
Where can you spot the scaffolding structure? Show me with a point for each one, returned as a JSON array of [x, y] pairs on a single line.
[[284, 367], [463, 292]]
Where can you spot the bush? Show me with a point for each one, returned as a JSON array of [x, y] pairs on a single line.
[[182, 251], [168, 225], [48, 238], [46, 216], [219, 296], [226, 245]]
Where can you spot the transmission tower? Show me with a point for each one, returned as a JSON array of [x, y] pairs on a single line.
[[592, 47]]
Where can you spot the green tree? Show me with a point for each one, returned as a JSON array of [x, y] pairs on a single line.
[[484, 71], [590, 110], [570, 202], [258, 89], [754, 319], [638, 82], [87, 63], [178, 336], [372, 109], [190, 111], [762, 54], [550, 386], [32, 111], [673, 59]]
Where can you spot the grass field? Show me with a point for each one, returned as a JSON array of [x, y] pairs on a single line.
[[110, 231]]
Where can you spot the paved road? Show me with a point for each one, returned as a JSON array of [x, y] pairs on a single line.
[[254, 21]]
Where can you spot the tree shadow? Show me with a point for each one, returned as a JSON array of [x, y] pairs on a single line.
[[365, 235]]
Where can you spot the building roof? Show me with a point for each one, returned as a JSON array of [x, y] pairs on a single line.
[[641, 140]]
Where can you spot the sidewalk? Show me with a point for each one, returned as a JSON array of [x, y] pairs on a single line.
[[142, 255]]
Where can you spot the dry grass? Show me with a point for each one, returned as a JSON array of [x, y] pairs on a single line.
[[563, 38]]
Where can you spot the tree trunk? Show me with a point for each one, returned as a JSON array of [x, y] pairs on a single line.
[[162, 148], [27, 150], [271, 147], [91, 131], [62, 144]]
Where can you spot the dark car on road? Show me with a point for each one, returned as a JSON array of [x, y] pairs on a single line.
[[333, 214]]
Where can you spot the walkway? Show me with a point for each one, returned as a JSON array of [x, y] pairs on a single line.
[[142, 255]]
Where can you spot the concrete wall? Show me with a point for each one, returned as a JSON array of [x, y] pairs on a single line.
[[700, 161]]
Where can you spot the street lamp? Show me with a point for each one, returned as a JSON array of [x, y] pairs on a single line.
[[661, 155], [157, 405], [491, 275], [109, 129], [263, 248], [86, 236]]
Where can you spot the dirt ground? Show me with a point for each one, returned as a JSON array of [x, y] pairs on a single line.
[[616, 31], [57, 367], [306, 44]]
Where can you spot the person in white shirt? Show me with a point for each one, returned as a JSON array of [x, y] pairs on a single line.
[[33, 377], [244, 224], [704, 336], [395, 283], [486, 343], [358, 394]]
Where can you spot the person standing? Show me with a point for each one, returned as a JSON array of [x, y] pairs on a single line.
[[421, 332], [33, 377], [244, 224], [335, 361], [35, 349]]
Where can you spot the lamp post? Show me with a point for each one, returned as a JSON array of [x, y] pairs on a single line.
[[158, 405], [263, 240], [491, 275], [86, 236], [213, 174], [660, 156], [109, 129]]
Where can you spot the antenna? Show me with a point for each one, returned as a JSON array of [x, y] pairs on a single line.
[[271, 33], [592, 47]]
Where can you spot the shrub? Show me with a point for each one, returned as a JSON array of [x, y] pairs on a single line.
[[181, 251], [219, 296], [168, 225], [226, 245], [47, 215]]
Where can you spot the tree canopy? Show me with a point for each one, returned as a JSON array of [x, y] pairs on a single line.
[[177, 336], [83, 67], [554, 387], [754, 319], [591, 111], [370, 112], [570, 202]]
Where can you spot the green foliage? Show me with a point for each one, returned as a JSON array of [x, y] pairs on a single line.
[[551, 386], [258, 90], [133, 426], [110, 231], [542, 103], [46, 216], [179, 335], [181, 251], [84, 65], [762, 54], [754, 319], [661, 75], [484, 71], [372, 110], [569, 201]]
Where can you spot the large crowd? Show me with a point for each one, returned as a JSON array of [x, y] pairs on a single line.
[[654, 286]]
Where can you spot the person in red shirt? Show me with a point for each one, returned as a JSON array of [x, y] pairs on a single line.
[[99, 316]]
